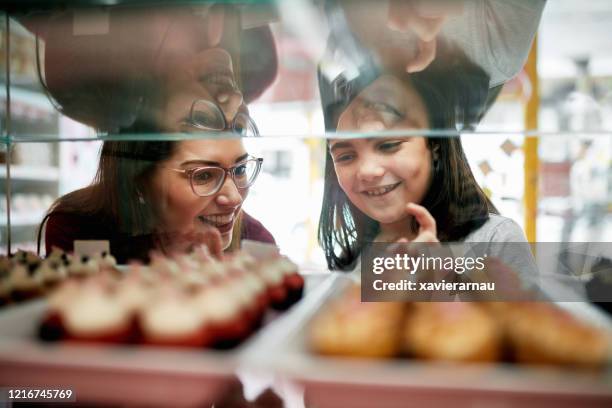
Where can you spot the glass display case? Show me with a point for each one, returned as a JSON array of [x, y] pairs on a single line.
[[152, 129]]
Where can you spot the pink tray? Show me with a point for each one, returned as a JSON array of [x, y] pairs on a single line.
[[136, 375], [338, 382], [108, 374]]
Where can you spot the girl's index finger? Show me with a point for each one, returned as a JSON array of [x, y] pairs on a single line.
[[426, 221]]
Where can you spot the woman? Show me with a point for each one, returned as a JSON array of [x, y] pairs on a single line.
[[409, 188], [170, 195]]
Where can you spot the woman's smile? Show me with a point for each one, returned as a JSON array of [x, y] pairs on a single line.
[[224, 222]]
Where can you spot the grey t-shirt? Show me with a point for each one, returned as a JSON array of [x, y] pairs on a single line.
[[503, 238], [498, 237], [496, 34]]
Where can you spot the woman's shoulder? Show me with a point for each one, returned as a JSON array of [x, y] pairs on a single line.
[[63, 228], [497, 228], [254, 230]]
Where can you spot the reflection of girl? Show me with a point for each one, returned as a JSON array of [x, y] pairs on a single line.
[[170, 195], [408, 188]]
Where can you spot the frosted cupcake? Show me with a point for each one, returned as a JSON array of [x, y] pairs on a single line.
[[227, 323], [25, 280], [274, 278], [172, 320], [94, 315], [52, 273], [83, 266]]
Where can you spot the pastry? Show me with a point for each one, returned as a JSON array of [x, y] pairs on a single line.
[[543, 333], [349, 327], [454, 331]]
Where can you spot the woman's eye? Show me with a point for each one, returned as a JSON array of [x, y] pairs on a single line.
[[343, 157], [203, 177], [240, 171]]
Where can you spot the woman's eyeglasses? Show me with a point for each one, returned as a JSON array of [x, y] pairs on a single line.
[[207, 115], [206, 181]]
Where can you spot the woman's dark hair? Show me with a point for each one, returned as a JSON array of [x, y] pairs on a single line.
[[122, 193], [455, 93]]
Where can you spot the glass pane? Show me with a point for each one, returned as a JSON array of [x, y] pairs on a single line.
[[379, 122]]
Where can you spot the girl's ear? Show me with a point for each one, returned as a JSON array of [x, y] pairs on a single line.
[[435, 151]]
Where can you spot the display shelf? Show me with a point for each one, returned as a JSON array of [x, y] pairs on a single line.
[[34, 173], [31, 98], [22, 220]]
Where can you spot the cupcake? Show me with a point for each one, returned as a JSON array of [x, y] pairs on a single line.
[[292, 280], [172, 320], [227, 322], [52, 272], [5, 282], [82, 266], [245, 265], [273, 278], [246, 297], [94, 315], [25, 280], [106, 260], [134, 292], [52, 327]]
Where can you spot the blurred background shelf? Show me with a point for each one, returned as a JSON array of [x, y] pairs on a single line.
[[35, 173]]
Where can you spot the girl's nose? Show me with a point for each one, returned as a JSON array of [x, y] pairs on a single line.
[[229, 101], [229, 195], [370, 169]]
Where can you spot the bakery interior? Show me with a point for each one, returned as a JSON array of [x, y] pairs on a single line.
[[94, 91]]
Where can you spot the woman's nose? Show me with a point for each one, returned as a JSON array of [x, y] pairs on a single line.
[[230, 102], [229, 195]]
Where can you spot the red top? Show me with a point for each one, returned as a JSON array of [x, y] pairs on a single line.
[[62, 229]]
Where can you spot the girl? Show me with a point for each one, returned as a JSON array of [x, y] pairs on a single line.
[[409, 188]]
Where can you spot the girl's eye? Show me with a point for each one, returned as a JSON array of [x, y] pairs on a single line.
[[389, 146]]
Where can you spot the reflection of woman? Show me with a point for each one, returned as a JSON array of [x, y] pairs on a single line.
[[169, 195], [408, 188]]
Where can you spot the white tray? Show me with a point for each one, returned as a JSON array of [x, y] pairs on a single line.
[[141, 375], [335, 382]]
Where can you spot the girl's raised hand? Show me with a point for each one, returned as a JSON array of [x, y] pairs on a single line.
[[427, 224]]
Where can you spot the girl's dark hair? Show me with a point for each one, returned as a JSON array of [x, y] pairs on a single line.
[[456, 94]]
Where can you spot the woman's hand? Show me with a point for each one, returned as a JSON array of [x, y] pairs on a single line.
[[425, 20], [176, 242]]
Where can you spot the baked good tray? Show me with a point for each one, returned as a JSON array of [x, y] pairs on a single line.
[[133, 375], [355, 382]]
